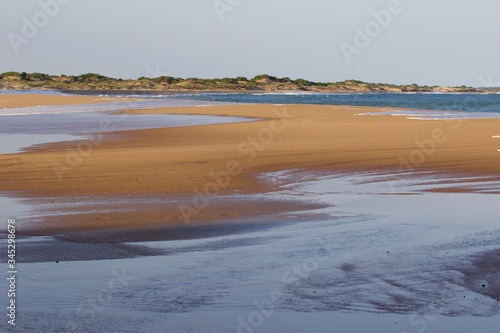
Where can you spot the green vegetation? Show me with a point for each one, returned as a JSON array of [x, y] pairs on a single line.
[[10, 74], [263, 82], [35, 77]]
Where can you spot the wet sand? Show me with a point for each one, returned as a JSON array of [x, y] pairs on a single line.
[[202, 163], [378, 260]]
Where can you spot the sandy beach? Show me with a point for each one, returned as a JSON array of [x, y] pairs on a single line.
[[214, 160], [325, 216]]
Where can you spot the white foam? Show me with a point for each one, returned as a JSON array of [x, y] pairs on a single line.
[[433, 115], [286, 93]]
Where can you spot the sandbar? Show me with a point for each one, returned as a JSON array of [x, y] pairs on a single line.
[[230, 159]]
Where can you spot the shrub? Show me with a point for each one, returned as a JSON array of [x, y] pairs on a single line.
[[228, 80], [91, 77], [265, 77], [37, 77], [303, 83], [166, 79], [10, 74]]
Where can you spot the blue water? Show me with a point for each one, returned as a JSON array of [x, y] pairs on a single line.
[[471, 103], [489, 103]]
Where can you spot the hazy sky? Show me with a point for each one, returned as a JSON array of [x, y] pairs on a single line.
[[446, 42]]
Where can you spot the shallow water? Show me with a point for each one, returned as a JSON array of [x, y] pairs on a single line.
[[21, 131], [389, 257]]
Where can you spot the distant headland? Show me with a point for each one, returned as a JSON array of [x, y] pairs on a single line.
[[264, 82]]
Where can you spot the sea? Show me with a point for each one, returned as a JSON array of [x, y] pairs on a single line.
[[479, 105], [386, 253], [461, 104]]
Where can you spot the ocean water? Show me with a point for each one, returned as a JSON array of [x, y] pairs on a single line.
[[470, 105]]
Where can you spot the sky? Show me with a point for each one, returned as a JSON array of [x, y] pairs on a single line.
[[428, 42]]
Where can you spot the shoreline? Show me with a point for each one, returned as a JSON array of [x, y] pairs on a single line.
[[112, 92], [227, 159]]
